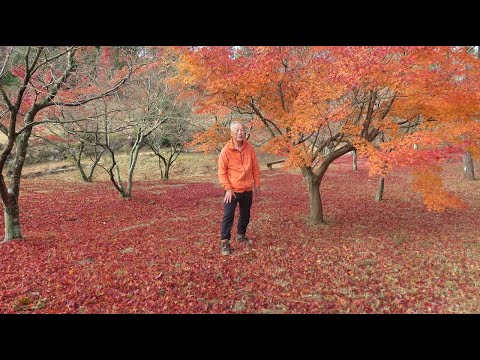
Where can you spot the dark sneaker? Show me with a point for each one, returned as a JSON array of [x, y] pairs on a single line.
[[225, 248], [242, 238]]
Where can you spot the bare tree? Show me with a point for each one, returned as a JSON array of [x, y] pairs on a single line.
[[169, 140], [33, 81], [147, 103], [79, 138]]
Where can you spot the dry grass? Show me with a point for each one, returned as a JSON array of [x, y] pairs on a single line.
[[188, 166], [199, 167]]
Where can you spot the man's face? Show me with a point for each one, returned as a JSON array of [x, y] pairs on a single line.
[[238, 132]]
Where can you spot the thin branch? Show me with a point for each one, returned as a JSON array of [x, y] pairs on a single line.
[[325, 143], [27, 53], [47, 140], [302, 139], [85, 101], [389, 106], [5, 97], [265, 120], [32, 70], [3, 129], [315, 141], [63, 121], [48, 60], [7, 57]]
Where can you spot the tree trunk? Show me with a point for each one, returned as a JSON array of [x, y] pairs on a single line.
[[167, 171], [12, 222], [10, 196], [89, 177], [82, 171], [78, 160], [468, 166], [114, 172], [316, 210], [381, 185], [314, 180], [94, 165], [124, 193], [133, 162], [354, 153], [160, 167]]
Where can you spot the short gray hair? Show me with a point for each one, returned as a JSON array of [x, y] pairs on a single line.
[[236, 122]]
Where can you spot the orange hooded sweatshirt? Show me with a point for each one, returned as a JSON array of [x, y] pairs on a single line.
[[238, 170]]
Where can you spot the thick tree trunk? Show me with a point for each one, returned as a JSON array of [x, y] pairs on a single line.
[[468, 166], [381, 185], [316, 209], [314, 180], [354, 153], [10, 196], [12, 222]]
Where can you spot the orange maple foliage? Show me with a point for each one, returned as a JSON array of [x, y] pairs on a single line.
[[210, 140], [318, 103], [428, 182]]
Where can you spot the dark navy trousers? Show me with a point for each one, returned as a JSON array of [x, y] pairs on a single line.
[[244, 200]]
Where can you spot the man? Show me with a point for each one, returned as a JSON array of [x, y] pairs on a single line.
[[239, 174]]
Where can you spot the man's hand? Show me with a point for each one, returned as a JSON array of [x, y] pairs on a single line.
[[256, 190], [228, 196]]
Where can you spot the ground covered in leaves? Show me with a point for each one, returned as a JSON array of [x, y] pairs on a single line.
[[86, 250]]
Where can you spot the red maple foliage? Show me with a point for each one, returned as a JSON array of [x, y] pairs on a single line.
[[86, 250]]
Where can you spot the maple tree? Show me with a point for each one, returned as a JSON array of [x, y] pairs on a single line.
[[36, 83], [309, 99]]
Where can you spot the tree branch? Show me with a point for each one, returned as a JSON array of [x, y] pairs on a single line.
[[265, 120], [48, 60], [5, 97], [61, 122], [7, 57]]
